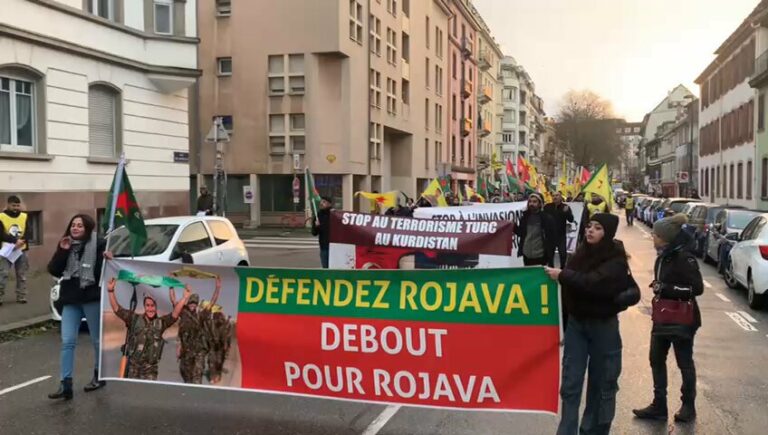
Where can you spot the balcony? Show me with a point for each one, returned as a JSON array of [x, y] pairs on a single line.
[[467, 47], [484, 60], [466, 126], [760, 76], [485, 95], [485, 128], [508, 125], [466, 89], [406, 69]]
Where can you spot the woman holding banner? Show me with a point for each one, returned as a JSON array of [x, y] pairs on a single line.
[[595, 276], [77, 261]]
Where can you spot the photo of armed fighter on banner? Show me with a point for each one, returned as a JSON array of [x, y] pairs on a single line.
[[170, 323]]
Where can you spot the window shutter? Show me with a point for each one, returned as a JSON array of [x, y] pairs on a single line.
[[101, 122]]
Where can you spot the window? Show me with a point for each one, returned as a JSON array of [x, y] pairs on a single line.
[[405, 88], [298, 144], [438, 43], [374, 133], [438, 152], [428, 29], [391, 46], [426, 114], [453, 65], [278, 76], [391, 96], [221, 232], [508, 137], [164, 17], [17, 115], [375, 91], [453, 148], [103, 8], [277, 134], [438, 80], [392, 7], [438, 118], [194, 238], [375, 35], [509, 116], [426, 72], [227, 121], [223, 8], [356, 21], [453, 107], [297, 122], [749, 179], [731, 182], [719, 182], [739, 180], [764, 179], [761, 112], [509, 94], [103, 121], [426, 153], [295, 133], [224, 66], [34, 231]]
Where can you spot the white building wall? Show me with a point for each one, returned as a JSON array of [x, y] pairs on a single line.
[[133, 14]]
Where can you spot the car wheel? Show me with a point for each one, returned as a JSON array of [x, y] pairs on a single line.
[[729, 277], [755, 300]]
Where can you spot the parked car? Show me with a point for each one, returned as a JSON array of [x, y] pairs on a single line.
[[700, 217], [748, 265], [642, 205], [210, 240], [650, 212], [723, 233]]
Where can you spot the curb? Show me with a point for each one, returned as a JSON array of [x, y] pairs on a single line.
[[10, 327]]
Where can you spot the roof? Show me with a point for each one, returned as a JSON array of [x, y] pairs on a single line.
[[738, 36], [181, 220]]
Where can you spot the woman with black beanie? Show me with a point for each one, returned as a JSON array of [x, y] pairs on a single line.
[[77, 261], [593, 279]]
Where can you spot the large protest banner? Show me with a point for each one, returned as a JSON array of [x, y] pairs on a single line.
[[507, 211], [365, 241], [484, 339]]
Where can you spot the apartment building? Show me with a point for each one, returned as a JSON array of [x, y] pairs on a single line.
[[488, 94], [507, 142], [727, 114], [356, 91], [630, 137], [759, 82], [82, 82]]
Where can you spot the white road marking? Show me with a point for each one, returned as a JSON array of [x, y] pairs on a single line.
[[707, 284], [381, 420], [742, 322], [23, 384], [747, 316], [720, 295]]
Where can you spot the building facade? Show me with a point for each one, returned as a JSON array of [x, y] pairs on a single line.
[[630, 137], [82, 82], [727, 115], [507, 142], [759, 82], [359, 96]]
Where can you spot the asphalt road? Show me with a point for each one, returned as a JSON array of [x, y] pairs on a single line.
[[731, 351]]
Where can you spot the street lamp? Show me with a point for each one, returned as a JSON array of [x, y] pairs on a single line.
[[218, 136]]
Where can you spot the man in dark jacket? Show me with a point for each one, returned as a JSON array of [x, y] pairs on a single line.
[[677, 277], [205, 201], [536, 232], [561, 215], [321, 227]]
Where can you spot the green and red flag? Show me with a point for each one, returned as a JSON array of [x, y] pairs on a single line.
[[314, 195], [445, 184], [124, 210]]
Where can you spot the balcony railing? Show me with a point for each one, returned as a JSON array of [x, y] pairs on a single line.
[[466, 126], [485, 128], [467, 47], [484, 60], [485, 95], [466, 88], [761, 67]]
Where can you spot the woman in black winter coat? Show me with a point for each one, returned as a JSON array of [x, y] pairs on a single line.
[[676, 277], [593, 279], [77, 261]]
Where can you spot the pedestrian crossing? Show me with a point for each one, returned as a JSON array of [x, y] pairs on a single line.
[[277, 242]]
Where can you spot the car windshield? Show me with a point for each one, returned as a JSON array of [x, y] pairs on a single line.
[[738, 220], [711, 213], [678, 206], [158, 239]]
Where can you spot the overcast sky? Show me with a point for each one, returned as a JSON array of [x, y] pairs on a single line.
[[631, 52]]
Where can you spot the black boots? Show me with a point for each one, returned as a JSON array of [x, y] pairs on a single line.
[[95, 383], [655, 411], [65, 390], [686, 413]]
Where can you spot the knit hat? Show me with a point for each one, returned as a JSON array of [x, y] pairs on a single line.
[[537, 195], [668, 228], [194, 298], [609, 222]]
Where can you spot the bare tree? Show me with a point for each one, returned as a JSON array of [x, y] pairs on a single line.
[[587, 126]]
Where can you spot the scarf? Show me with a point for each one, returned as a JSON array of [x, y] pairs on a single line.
[[81, 262]]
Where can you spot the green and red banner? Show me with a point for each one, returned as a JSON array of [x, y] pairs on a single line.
[[468, 339]]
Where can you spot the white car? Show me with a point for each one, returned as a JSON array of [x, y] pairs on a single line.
[[209, 240], [749, 261]]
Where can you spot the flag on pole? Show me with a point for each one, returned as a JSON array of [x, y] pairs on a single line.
[[384, 200], [522, 169], [586, 176], [314, 195], [472, 194], [124, 210], [445, 183], [434, 194], [600, 184]]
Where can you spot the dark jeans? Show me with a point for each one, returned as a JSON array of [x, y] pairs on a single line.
[[324, 257], [562, 251], [630, 216], [541, 261], [684, 355], [594, 346]]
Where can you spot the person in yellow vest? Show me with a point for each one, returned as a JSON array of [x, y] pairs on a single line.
[[629, 209], [597, 205], [13, 225]]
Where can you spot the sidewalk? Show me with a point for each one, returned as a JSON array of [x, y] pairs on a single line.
[[36, 310]]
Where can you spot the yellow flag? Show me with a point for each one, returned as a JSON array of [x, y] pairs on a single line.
[[471, 192], [434, 194], [599, 184], [562, 185], [534, 182], [384, 200]]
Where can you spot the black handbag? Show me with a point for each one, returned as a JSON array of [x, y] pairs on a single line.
[[630, 296]]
